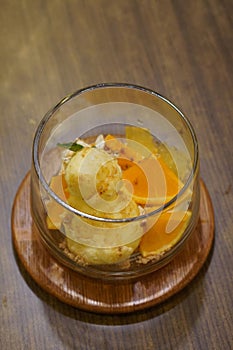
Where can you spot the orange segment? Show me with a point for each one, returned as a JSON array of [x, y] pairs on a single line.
[[137, 177], [54, 210], [142, 136], [153, 182], [157, 239], [173, 183], [125, 163]]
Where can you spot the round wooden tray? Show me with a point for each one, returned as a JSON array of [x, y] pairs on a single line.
[[97, 295]]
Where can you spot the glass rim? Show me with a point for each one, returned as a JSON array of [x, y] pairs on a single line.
[[49, 114]]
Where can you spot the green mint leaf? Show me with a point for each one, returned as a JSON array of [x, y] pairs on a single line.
[[72, 146]]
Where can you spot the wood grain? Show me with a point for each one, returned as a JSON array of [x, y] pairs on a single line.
[[101, 296], [181, 49]]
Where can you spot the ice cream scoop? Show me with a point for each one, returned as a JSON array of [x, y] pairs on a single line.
[[94, 183]]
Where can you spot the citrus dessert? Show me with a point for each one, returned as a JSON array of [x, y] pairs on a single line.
[[126, 177]]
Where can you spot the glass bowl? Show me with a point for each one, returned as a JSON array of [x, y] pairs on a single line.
[[115, 181]]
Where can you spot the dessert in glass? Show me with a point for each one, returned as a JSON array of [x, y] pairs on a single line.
[[115, 181]]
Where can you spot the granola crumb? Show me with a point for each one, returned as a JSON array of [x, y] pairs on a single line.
[[149, 258], [72, 256]]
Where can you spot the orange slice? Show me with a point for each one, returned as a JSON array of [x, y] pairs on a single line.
[[141, 136], [157, 240], [125, 163], [153, 181]]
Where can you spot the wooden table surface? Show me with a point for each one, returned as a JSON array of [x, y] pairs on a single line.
[[183, 50]]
